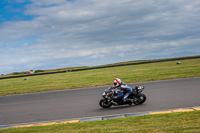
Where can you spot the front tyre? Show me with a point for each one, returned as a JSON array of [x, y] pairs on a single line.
[[105, 104], [140, 99]]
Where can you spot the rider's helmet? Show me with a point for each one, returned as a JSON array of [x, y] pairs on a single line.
[[117, 82]]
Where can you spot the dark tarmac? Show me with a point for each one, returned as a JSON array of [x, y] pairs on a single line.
[[79, 103]]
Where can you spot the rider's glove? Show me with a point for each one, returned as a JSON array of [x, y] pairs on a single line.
[[115, 97]]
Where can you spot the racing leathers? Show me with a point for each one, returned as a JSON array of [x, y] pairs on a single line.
[[125, 91]]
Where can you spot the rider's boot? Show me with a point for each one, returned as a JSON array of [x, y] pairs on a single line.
[[129, 101]]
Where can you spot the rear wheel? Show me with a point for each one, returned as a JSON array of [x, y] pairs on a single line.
[[105, 104], [139, 99]]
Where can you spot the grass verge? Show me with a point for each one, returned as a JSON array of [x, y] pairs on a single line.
[[101, 77], [173, 122]]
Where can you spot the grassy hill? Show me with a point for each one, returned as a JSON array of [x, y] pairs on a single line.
[[81, 68], [129, 72]]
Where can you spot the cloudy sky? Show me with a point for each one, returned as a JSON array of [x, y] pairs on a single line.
[[48, 34]]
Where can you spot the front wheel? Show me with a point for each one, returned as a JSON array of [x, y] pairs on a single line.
[[140, 99], [105, 104]]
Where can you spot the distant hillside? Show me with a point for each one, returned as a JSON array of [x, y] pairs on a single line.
[[71, 69]]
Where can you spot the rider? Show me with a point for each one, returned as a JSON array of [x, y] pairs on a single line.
[[126, 90]]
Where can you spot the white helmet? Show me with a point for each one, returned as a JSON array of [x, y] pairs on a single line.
[[117, 82]]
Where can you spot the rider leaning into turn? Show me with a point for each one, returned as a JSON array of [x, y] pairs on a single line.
[[126, 89]]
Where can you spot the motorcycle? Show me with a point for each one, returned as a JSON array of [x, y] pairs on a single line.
[[136, 97]]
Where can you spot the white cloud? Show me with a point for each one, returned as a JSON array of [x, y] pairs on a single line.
[[98, 29]]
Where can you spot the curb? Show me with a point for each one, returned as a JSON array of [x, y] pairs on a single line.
[[188, 109]]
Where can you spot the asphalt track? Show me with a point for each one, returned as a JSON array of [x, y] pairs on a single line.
[[78, 103]]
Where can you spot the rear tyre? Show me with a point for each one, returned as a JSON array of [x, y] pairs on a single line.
[[140, 99], [105, 104]]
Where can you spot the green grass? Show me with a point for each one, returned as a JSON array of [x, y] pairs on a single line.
[[101, 77], [86, 67], [161, 123]]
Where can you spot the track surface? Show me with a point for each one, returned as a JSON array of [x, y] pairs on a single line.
[[78, 103]]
